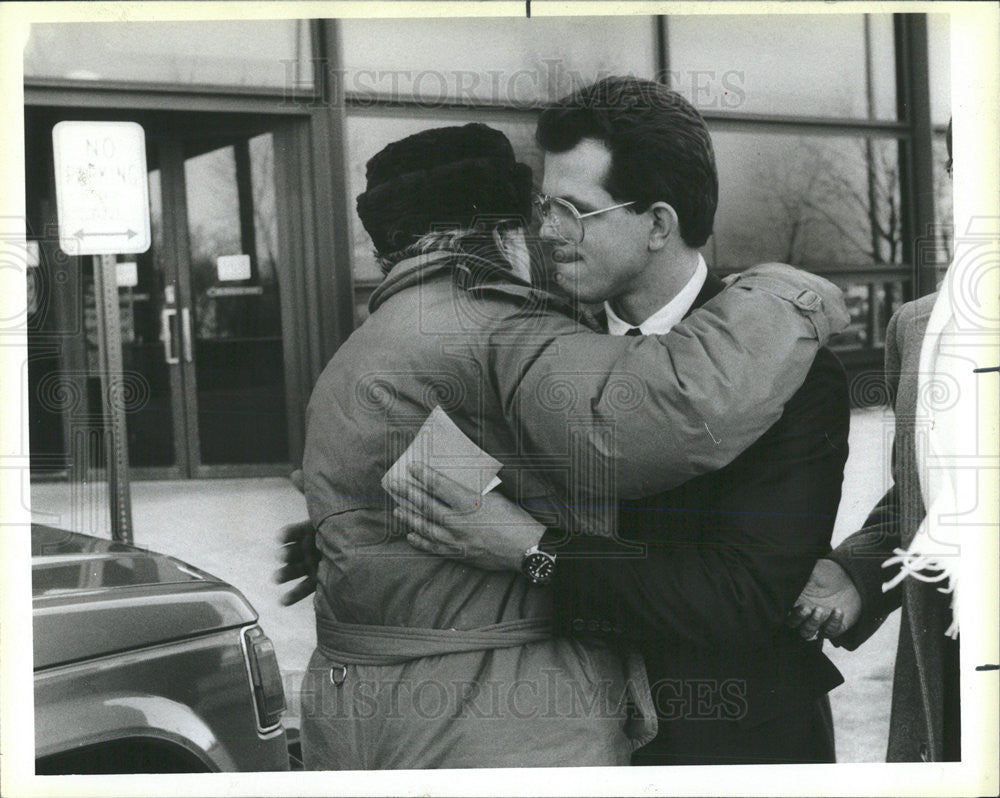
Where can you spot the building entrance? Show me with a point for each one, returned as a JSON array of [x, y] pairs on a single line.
[[205, 350]]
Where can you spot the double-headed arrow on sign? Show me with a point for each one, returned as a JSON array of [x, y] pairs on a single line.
[[81, 234]]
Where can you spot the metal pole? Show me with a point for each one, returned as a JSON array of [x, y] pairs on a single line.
[[113, 395], [922, 149], [916, 152]]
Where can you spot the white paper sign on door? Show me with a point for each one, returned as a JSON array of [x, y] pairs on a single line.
[[233, 267], [128, 274]]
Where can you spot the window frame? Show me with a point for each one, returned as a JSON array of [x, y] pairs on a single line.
[[326, 107]]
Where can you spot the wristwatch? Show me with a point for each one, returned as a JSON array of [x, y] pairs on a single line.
[[538, 566]]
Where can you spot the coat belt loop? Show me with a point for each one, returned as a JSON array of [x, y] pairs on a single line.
[[338, 674]]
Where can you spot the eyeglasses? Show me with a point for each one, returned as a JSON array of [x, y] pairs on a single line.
[[564, 219]]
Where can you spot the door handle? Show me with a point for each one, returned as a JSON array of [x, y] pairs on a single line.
[[186, 323], [167, 336]]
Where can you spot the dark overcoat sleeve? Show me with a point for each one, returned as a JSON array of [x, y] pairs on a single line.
[[863, 553], [659, 410], [731, 583]]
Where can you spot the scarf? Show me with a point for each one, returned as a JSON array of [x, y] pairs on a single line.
[[947, 389]]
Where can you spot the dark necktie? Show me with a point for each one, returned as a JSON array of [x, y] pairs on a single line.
[[633, 331]]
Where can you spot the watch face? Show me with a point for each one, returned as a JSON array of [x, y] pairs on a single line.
[[539, 567]]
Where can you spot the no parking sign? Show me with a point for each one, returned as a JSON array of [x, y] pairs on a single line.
[[102, 194], [102, 201]]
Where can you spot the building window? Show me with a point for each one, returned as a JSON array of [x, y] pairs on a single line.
[[943, 204], [269, 54], [831, 65], [830, 204], [802, 108], [506, 62], [813, 201], [939, 64]]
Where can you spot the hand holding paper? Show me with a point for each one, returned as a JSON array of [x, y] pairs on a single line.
[[442, 446], [442, 485]]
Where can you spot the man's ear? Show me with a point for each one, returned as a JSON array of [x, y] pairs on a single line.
[[665, 224]]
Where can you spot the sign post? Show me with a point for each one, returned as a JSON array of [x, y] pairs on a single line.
[[102, 200], [113, 396]]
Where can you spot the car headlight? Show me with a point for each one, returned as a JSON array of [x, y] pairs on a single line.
[[265, 678]]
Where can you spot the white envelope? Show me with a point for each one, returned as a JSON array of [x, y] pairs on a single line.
[[441, 445]]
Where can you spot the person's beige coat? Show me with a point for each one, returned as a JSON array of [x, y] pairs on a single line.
[[426, 662]]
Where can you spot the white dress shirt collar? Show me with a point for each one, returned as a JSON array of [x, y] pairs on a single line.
[[666, 317]]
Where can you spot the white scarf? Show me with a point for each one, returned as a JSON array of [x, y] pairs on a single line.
[[947, 390]]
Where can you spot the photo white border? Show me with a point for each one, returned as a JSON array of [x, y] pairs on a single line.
[[975, 57]]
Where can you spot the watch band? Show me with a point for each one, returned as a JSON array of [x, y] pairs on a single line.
[[538, 566]]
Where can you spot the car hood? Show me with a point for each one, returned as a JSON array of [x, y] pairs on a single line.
[[93, 597], [63, 561]]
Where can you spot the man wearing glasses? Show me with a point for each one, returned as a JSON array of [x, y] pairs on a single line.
[[630, 192]]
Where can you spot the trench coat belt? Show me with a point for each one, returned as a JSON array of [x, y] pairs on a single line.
[[365, 644]]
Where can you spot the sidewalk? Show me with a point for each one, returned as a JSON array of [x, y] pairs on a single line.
[[229, 527]]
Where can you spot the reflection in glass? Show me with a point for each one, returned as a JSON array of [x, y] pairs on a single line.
[[149, 419], [813, 201], [870, 305], [213, 207], [265, 217], [512, 61], [828, 204], [238, 352], [943, 213], [267, 53], [804, 65], [939, 58], [151, 427], [50, 576], [881, 39]]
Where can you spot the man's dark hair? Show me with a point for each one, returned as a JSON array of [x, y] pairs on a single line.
[[659, 144]]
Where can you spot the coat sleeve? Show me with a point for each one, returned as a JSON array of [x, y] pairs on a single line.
[[862, 553], [636, 416], [731, 582]]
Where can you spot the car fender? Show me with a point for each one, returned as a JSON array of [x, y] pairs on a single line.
[[89, 720]]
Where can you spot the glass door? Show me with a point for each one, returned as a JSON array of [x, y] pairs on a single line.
[[147, 303], [233, 358], [214, 316], [152, 390]]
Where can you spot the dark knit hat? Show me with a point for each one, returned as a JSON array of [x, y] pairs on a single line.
[[439, 178]]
